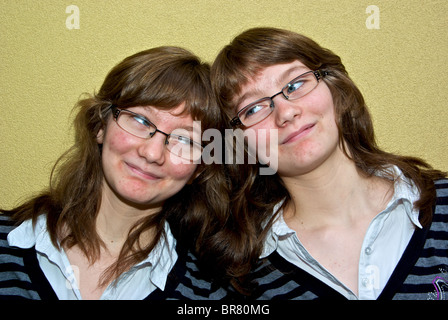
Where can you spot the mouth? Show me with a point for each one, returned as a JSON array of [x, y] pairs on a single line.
[[296, 135], [142, 173]]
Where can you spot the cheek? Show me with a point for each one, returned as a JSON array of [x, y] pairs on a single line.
[[116, 143], [262, 144], [261, 135], [321, 102], [323, 108], [181, 172]]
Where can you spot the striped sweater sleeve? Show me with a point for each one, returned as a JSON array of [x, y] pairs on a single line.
[[15, 282]]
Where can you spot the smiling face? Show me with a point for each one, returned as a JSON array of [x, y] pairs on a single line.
[[142, 171], [307, 131]]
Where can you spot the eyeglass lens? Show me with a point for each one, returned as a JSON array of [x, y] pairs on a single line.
[[295, 89], [179, 142]]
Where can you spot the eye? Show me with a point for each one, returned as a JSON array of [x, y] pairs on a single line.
[[141, 120], [137, 123], [254, 108], [293, 87]]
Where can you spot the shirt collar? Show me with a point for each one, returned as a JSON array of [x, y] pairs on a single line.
[[405, 191], [26, 236], [158, 263], [162, 259]]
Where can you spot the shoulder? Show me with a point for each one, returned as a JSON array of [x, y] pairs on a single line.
[[194, 284], [276, 278], [441, 203], [187, 282], [440, 217], [427, 255], [15, 282], [442, 191], [6, 226]]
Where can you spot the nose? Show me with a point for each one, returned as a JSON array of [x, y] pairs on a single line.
[[153, 149], [286, 111]]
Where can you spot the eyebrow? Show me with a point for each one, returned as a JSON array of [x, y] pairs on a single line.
[[287, 74], [142, 114]]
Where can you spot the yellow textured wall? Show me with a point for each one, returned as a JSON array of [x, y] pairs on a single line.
[[44, 66]]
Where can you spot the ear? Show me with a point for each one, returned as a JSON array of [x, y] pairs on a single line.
[[100, 136]]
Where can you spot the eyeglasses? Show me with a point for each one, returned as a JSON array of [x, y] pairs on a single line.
[[262, 108], [179, 142]]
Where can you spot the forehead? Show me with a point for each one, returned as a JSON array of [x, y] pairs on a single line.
[[269, 80]]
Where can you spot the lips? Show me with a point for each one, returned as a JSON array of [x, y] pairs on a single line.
[[299, 133], [142, 173]]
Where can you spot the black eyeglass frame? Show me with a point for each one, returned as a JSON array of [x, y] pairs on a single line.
[[319, 74], [116, 113]]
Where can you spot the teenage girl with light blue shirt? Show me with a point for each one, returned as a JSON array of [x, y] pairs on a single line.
[[101, 230], [340, 218]]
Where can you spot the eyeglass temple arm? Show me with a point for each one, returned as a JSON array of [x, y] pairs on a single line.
[[235, 122], [115, 111], [320, 74]]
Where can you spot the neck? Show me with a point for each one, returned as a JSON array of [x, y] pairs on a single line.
[[116, 218], [335, 193]]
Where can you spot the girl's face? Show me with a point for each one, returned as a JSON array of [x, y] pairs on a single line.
[[306, 127], [140, 171]]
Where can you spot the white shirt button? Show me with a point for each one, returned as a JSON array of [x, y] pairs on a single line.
[[365, 282], [368, 250]]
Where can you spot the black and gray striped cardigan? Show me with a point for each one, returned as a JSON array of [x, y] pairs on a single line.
[[421, 273], [22, 278]]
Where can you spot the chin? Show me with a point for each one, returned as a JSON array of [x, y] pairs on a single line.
[[134, 199]]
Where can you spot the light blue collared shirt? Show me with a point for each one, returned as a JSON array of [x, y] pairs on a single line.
[[384, 243], [134, 284]]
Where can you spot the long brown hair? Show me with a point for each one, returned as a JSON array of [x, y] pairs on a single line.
[[255, 196], [162, 77]]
